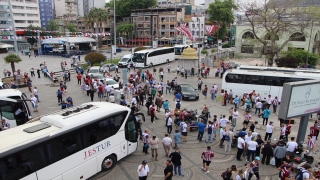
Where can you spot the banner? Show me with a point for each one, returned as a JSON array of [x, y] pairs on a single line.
[[210, 29]]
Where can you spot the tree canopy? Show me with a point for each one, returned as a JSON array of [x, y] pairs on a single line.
[[221, 13], [52, 26], [71, 27], [96, 16], [11, 59], [124, 7], [301, 55], [125, 28], [276, 19]]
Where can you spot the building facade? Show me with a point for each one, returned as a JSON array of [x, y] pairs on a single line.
[[247, 46], [46, 12], [156, 22], [197, 28], [66, 8], [84, 6], [172, 3], [25, 13]]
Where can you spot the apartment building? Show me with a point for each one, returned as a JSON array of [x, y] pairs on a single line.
[[197, 27], [25, 13], [46, 12], [172, 3], [66, 8], [156, 22]]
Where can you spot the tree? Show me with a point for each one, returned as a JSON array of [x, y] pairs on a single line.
[[32, 33], [277, 19], [52, 26], [107, 5], [11, 59], [124, 7], [125, 28], [288, 62], [95, 57], [71, 27], [139, 48], [221, 13], [96, 16], [203, 51], [301, 55]]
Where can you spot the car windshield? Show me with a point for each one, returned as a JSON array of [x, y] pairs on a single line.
[[124, 59], [187, 89], [98, 76], [111, 82], [94, 71]]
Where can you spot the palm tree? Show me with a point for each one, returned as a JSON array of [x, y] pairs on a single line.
[[101, 16], [89, 20], [12, 58]]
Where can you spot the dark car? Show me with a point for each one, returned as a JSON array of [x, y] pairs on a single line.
[[188, 92]]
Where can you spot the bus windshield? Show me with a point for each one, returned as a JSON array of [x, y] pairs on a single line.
[[139, 57]]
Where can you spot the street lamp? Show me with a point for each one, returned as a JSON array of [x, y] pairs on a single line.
[[114, 30]]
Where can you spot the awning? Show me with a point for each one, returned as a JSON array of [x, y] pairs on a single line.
[[210, 39], [63, 40]]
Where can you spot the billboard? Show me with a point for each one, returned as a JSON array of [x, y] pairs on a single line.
[[300, 98]]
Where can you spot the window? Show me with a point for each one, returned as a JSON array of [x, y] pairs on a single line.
[[49, 19], [247, 49], [42, 14], [163, 19], [172, 19], [19, 21], [161, 52], [248, 35], [5, 15], [193, 25], [17, 7], [192, 32], [41, 4], [139, 57], [4, 22], [43, 19], [297, 37], [140, 25], [5, 7], [31, 8]]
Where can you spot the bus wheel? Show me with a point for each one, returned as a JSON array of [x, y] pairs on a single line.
[[108, 163]]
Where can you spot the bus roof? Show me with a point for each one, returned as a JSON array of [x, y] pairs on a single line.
[[9, 92], [280, 69], [151, 50], [276, 73], [17, 136]]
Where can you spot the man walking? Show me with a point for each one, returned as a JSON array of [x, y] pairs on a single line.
[[168, 171], [201, 127], [228, 139], [145, 139], [154, 141], [269, 131], [241, 146], [143, 170], [222, 136], [209, 130], [206, 155], [35, 93], [176, 161], [167, 143]]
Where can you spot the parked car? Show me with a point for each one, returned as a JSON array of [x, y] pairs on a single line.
[[94, 70], [111, 82], [188, 92], [125, 60], [112, 67], [97, 76]]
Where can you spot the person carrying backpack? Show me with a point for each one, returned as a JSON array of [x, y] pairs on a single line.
[[230, 173], [178, 105], [209, 130], [183, 129], [303, 173]]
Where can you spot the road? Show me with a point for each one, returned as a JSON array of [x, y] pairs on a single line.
[[191, 151]]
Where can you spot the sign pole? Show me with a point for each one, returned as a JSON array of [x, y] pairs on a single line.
[[302, 128]]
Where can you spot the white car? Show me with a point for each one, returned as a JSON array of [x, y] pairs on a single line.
[[111, 82], [94, 70]]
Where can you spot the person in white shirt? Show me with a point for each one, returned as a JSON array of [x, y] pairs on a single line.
[[292, 145], [222, 136], [241, 146], [269, 131], [134, 101], [282, 131], [251, 149], [153, 142], [35, 93], [168, 68], [223, 122], [107, 90], [143, 170], [258, 106], [183, 128], [178, 70], [167, 143], [111, 90], [112, 99], [235, 115], [269, 100], [34, 103], [248, 137], [169, 124], [161, 75]]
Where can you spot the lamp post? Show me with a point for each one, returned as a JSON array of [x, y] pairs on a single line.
[[13, 29], [114, 30]]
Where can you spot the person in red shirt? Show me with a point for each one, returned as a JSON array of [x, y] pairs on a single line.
[[79, 78], [314, 131], [152, 113], [206, 155], [100, 92]]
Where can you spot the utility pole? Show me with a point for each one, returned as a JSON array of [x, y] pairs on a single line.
[[13, 29], [114, 30], [309, 40]]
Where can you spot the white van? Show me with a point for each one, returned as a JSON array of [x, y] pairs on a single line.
[[125, 60]]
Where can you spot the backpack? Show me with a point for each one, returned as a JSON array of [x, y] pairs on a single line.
[[210, 129], [227, 174], [288, 130], [178, 105], [299, 175], [227, 138]]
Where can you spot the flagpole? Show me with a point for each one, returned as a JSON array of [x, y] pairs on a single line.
[[13, 29]]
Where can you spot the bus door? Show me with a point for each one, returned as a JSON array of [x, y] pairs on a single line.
[[131, 134], [24, 98]]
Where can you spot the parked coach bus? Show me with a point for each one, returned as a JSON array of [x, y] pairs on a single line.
[[150, 57], [75, 143]]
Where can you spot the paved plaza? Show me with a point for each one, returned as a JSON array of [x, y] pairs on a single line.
[[190, 151]]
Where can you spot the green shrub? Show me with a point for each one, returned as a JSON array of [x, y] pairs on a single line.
[[302, 55], [213, 50], [288, 62], [95, 57], [139, 48], [204, 51], [225, 45]]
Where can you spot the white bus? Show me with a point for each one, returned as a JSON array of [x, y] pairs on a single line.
[[263, 82], [72, 144], [178, 49], [14, 107], [150, 57], [279, 69]]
